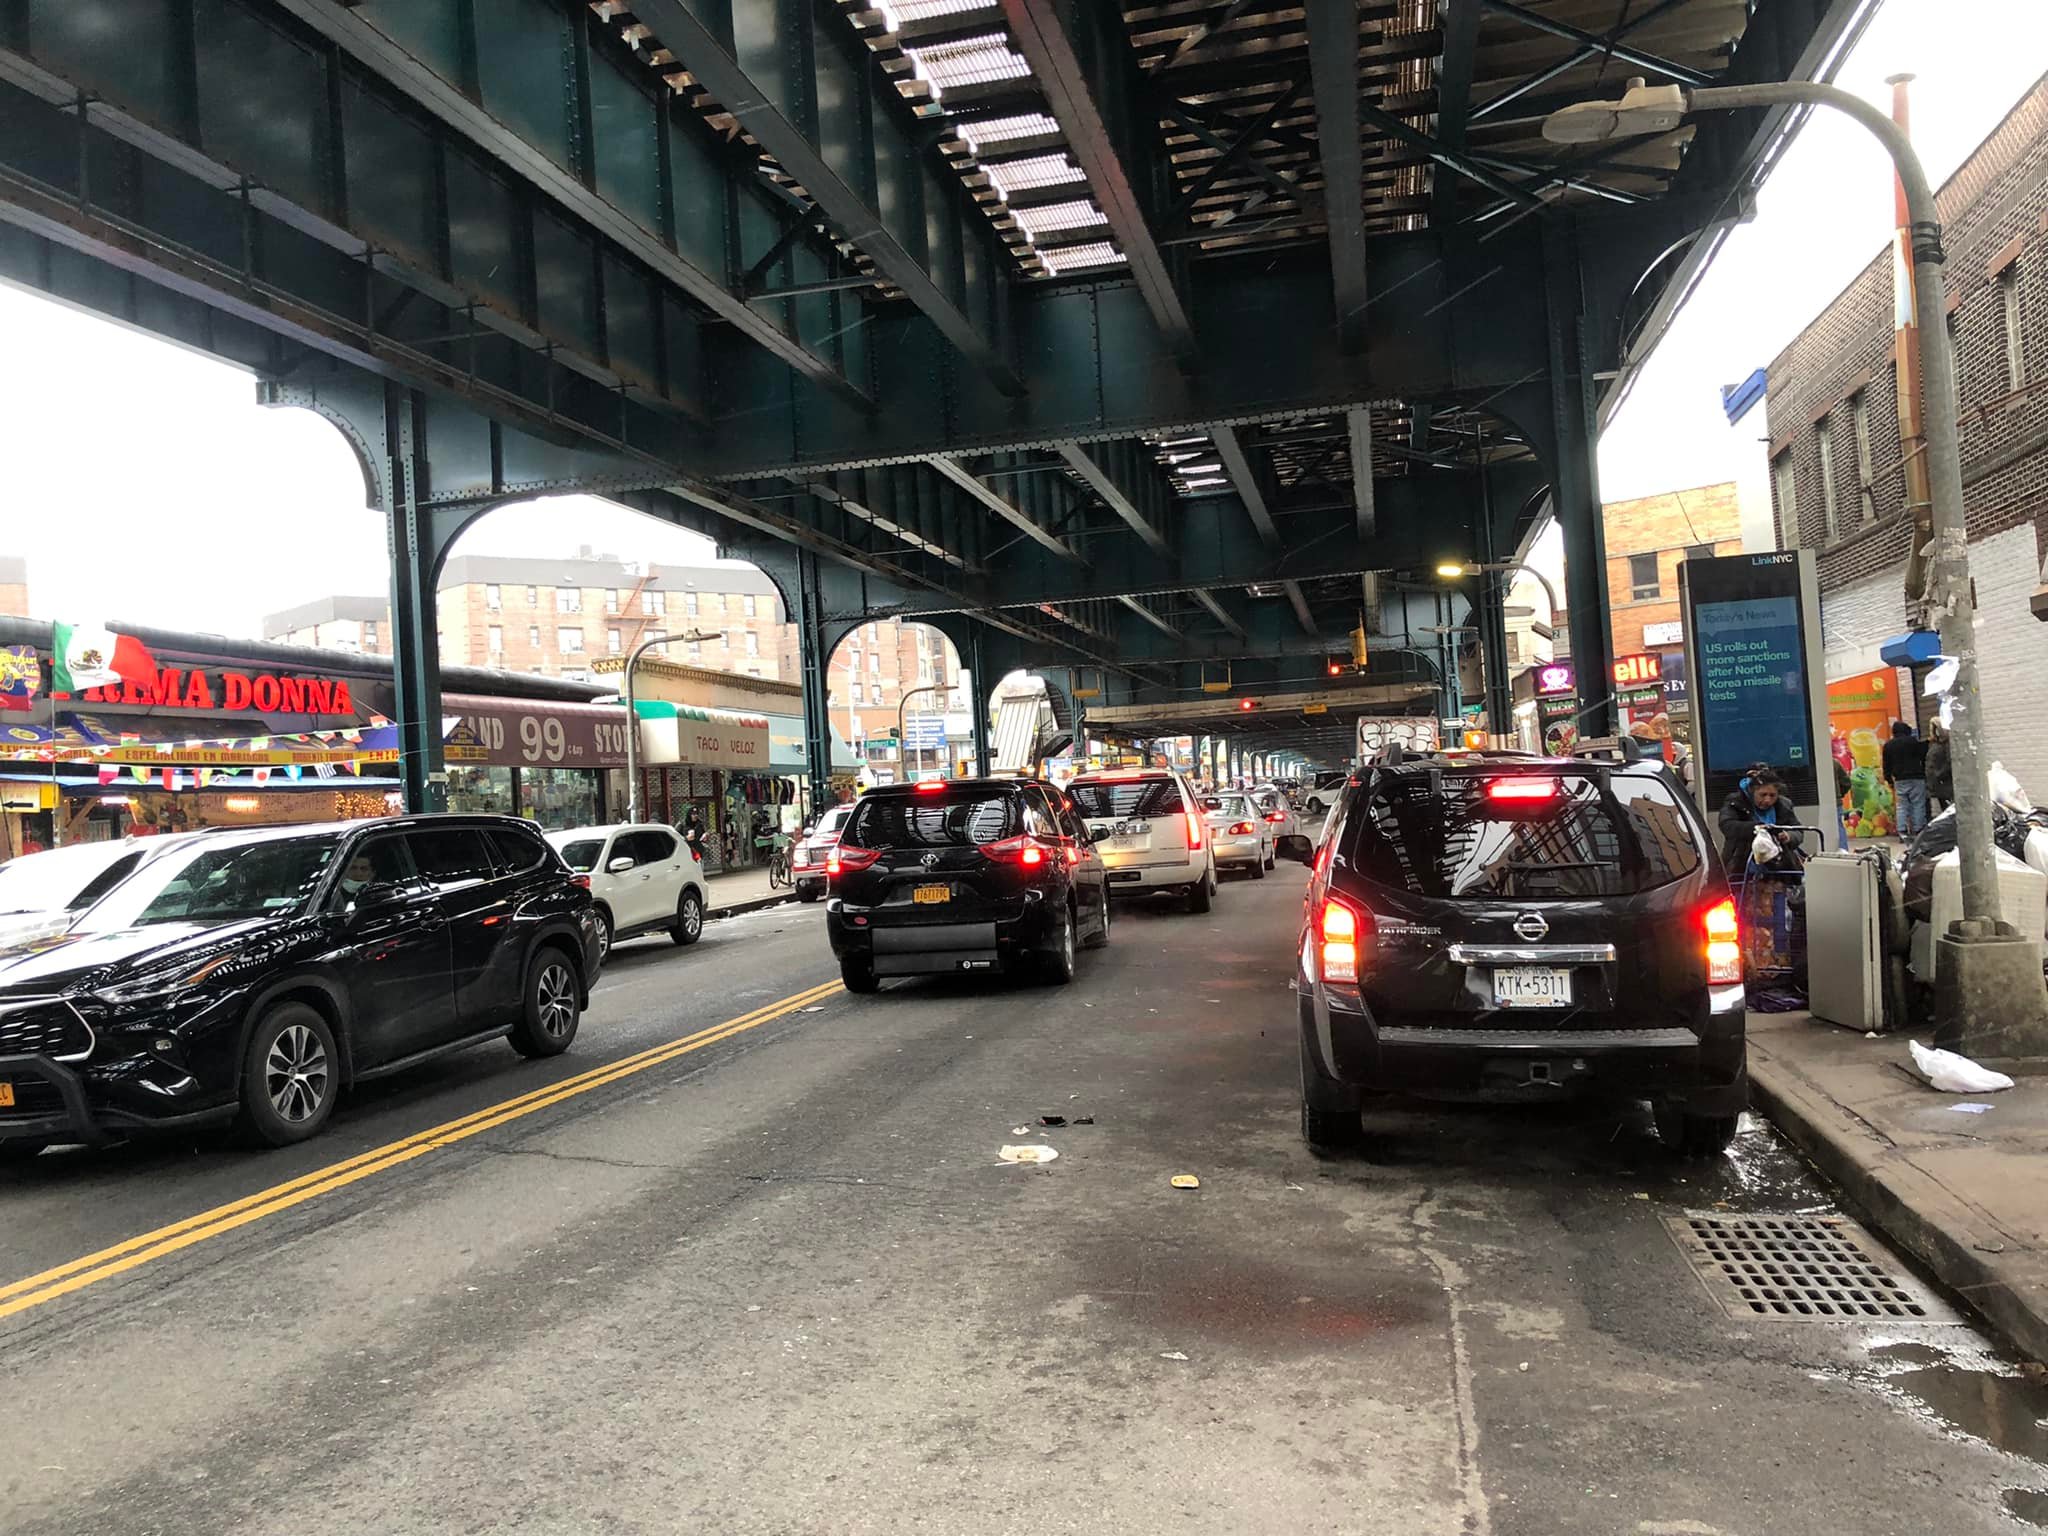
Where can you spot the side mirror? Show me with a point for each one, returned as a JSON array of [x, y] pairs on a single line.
[[619, 865], [379, 897]]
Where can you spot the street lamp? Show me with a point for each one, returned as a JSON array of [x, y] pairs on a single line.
[[901, 745], [633, 716], [1645, 109], [1451, 570]]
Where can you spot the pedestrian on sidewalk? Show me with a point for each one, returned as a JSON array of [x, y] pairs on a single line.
[[1905, 769], [1941, 778], [1757, 803]]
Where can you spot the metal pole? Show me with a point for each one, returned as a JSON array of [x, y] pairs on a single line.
[[1949, 579], [901, 752], [633, 717]]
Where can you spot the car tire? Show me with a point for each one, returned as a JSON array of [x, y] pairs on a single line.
[[689, 923], [1057, 965], [1199, 895], [808, 893], [1259, 868], [551, 1009], [1100, 940], [604, 934], [1330, 1120], [1692, 1135], [858, 975], [291, 1076]]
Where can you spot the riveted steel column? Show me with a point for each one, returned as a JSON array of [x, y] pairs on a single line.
[[811, 661], [1575, 479], [1492, 616], [978, 701], [415, 637]]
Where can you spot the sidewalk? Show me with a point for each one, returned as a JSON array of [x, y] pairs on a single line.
[[742, 890], [1966, 1194]]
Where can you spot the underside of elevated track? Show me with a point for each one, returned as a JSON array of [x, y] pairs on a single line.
[[1133, 342]]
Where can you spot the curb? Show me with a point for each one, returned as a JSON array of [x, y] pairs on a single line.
[[1994, 1272], [742, 908]]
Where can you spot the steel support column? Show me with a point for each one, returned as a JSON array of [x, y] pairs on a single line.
[[978, 702], [1575, 478], [415, 639], [812, 657]]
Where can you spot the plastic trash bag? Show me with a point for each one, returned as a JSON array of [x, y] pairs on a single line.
[[2006, 791], [1950, 1073], [1763, 848]]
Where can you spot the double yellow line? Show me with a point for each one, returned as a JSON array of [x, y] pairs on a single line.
[[33, 1291]]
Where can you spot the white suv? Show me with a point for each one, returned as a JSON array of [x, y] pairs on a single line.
[[645, 877], [1150, 830]]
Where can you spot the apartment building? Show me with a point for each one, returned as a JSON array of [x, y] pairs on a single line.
[[339, 623]]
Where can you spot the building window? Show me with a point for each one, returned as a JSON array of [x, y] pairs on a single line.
[[1514, 648], [613, 641], [747, 606], [369, 634], [657, 634], [611, 600], [874, 631], [655, 604], [533, 597], [1859, 421], [494, 597], [696, 651], [690, 604], [753, 641], [1831, 513], [2009, 301], [1699, 551], [494, 637], [874, 663], [568, 641], [533, 636], [1642, 577], [568, 600], [1785, 483]]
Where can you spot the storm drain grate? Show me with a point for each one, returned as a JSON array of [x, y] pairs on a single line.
[[1818, 1268]]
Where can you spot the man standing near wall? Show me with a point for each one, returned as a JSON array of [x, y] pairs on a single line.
[[1905, 769]]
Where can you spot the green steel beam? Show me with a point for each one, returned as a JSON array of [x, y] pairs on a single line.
[[1245, 480], [1144, 611], [1453, 97], [1358, 428], [1333, 63], [1299, 600], [1018, 516], [809, 91], [1124, 474], [1218, 612]]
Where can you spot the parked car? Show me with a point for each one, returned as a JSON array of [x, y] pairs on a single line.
[[1241, 838], [1323, 791], [42, 894], [256, 975], [951, 875], [1510, 928], [644, 877], [1282, 820], [813, 844], [1149, 827]]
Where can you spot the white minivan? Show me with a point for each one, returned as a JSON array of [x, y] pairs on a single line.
[[1149, 827], [645, 877]]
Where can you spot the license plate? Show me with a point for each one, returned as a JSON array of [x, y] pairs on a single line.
[[1123, 844], [6, 1095], [932, 895], [1532, 986]]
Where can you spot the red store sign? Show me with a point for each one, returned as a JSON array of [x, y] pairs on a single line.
[[227, 692]]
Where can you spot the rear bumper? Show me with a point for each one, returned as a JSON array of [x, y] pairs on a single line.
[[1701, 1061], [1150, 872], [899, 948], [1239, 850]]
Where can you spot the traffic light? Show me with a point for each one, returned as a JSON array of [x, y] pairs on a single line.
[[1358, 650], [1247, 704], [1336, 666]]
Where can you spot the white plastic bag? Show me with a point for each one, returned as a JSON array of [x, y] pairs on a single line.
[[2006, 791], [1950, 1073], [1763, 847]]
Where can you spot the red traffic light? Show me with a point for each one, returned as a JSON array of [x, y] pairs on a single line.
[[1335, 669], [1246, 704]]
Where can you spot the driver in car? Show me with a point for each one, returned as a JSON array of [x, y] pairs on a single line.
[[361, 871]]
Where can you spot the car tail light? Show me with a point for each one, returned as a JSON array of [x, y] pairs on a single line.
[[849, 860], [1724, 942], [1340, 928], [1194, 830], [1522, 789], [1242, 829], [1276, 815], [696, 853], [1073, 852], [582, 880], [1023, 850], [927, 786]]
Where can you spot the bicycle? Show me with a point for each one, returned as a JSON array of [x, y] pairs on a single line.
[[779, 871]]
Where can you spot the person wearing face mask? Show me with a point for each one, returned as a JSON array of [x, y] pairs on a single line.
[[359, 872], [1758, 801]]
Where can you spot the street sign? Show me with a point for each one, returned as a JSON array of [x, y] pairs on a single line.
[[924, 733]]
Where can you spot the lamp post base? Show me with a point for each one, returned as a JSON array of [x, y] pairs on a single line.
[[1989, 1000]]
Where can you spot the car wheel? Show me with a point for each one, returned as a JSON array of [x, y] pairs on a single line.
[[290, 1076], [1330, 1120], [858, 975], [553, 1009], [604, 933], [808, 893], [1691, 1135], [1259, 868], [1058, 964], [1198, 895], [689, 926], [1100, 939]]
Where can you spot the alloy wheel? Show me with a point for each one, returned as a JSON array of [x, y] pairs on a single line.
[[555, 999], [295, 1074], [693, 918]]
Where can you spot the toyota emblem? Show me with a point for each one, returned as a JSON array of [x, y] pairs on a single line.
[[1530, 925], [931, 861]]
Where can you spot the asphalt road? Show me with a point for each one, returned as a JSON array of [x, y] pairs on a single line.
[[774, 1279]]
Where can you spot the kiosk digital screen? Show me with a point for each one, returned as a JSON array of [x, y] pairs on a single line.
[[1749, 658]]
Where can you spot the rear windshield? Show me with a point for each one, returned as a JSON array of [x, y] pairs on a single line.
[[1226, 805], [950, 819], [1116, 799], [581, 855], [1459, 841]]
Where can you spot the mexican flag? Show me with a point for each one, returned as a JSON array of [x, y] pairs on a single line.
[[91, 656]]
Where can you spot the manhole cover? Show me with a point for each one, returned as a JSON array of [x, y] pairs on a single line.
[[1817, 1268]]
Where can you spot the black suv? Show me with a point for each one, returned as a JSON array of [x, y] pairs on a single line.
[[1488, 926], [956, 875], [257, 974]]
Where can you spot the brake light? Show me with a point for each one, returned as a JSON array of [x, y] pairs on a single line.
[[1339, 927], [1022, 849], [582, 880], [1724, 942], [1073, 854], [849, 859], [1522, 789], [1242, 829], [1276, 815], [1194, 830], [926, 786]]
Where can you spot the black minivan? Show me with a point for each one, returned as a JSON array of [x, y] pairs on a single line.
[[1507, 927], [952, 875]]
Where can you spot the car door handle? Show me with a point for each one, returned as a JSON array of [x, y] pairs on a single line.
[[433, 922]]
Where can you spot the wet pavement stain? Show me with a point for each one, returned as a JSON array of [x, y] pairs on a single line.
[[1988, 1401], [1272, 1308]]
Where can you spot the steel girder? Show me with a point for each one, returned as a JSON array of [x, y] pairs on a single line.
[[1333, 59], [1131, 484]]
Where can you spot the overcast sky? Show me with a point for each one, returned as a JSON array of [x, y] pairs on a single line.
[[144, 484]]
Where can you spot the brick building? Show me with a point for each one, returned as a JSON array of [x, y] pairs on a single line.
[[1647, 539], [359, 624], [1837, 485], [14, 586]]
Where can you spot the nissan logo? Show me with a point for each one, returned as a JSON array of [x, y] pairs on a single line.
[[1530, 925], [931, 861]]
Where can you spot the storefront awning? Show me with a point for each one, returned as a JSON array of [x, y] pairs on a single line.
[[1915, 648], [702, 738], [786, 747], [535, 733]]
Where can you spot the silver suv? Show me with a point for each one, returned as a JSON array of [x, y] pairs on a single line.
[[1149, 828]]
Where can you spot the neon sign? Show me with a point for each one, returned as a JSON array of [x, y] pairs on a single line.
[[1637, 671], [265, 693]]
